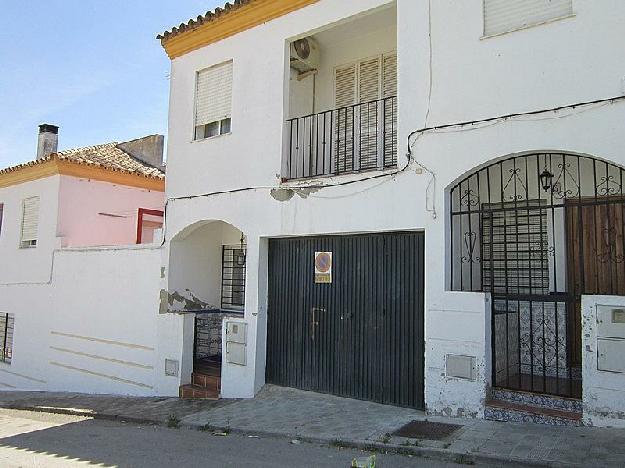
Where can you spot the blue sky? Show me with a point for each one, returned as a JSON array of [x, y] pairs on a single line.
[[92, 67]]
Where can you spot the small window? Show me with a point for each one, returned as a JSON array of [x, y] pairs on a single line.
[[233, 277], [502, 16], [213, 101], [30, 222], [1, 215], [7, 322]]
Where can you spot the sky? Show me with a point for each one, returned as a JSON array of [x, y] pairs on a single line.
[[92, 67]]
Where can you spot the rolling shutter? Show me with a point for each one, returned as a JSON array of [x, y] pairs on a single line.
[[508, 15], [213, 95], [30, 220]]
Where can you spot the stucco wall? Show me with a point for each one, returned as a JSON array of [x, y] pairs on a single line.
[[92, 329], [100, 213], [560, 63], [19, 265]]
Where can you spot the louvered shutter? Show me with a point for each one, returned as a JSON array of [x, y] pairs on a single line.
[[213, 95], [368, 95], [389, 94], [1, 216], [345, 98], [508, 15], [30, 220]]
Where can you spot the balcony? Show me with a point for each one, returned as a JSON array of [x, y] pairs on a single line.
[[349, 139], [348, 69]]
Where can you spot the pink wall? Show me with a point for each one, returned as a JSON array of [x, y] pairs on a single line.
[[100, 213]]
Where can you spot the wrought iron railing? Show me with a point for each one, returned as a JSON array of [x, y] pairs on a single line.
[[355, 138]]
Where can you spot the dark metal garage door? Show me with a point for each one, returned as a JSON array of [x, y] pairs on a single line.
[[360, 335]]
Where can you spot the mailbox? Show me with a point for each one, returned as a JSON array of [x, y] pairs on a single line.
[[610, 338]]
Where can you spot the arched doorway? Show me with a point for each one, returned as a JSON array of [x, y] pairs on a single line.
[[537, 231]]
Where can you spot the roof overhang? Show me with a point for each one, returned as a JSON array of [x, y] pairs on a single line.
[[224, 23], [54, 166]]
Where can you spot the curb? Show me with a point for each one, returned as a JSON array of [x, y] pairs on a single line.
[[461, 458]]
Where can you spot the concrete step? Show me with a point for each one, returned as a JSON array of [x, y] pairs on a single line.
[[536, 399], [498, 410], [210, 382], [196, 392]]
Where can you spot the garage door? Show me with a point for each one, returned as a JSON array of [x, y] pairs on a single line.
[[346, 316]]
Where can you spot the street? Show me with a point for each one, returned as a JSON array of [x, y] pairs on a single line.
[[29, 439]]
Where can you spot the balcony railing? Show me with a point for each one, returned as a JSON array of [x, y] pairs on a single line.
[[350, 139]]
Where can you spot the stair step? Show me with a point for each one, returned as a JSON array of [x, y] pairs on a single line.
[[190, 391], [536, 399], [499, 410], [210, 382]]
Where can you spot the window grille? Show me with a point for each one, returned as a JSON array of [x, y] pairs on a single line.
[[233, 277], [7, 323]]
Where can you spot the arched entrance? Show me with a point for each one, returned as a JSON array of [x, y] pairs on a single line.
[[537, 231]]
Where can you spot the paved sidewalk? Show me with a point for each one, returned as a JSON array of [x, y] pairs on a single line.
[[313, 417]]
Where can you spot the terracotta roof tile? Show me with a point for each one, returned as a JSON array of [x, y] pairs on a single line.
[[108, 156], [208, 16]]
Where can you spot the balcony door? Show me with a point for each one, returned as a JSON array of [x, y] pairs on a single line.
[[365, 115]]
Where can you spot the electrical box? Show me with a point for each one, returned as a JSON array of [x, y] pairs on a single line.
[[460, 367], [611, 322], [236, 332], [610, 338], [235, 353]]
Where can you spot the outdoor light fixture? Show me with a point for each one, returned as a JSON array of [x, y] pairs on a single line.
[[546, 180], [241, 254]]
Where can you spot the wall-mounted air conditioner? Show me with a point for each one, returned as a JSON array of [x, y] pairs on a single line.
[[304, 55]]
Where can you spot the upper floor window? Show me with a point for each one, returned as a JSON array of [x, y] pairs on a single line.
[[502, 16], [213, 101], [7, 322], [1, 215], [30, 222]]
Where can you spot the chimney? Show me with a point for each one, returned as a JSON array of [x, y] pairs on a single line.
[[48, 140], [148, 149]]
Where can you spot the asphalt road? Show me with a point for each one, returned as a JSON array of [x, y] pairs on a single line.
[[29, 439]]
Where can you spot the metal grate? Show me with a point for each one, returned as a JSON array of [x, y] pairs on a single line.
[[426, 430], [233, 277], [538, 231], [7, 323]]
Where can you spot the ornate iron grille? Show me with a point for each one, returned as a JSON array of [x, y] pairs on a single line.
[[349, 139], [537, 231], [233, 277]]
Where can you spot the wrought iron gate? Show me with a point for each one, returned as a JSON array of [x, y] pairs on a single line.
[[537, 231], [360, 335]]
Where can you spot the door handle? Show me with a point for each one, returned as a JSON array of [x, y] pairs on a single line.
[[314, 321]]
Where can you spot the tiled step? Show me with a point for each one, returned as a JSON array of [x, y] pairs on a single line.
[[535, 399], [196, 392], [210, 382], [498, 410]]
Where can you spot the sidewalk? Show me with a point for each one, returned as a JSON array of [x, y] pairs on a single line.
[[312, 417]]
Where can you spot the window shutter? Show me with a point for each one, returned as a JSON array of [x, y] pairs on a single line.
[[30, 219], [213, 95], [389, 75], [508, 15], [345, 86], [1, 216], [369, 84]]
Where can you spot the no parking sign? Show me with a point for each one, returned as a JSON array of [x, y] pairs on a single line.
[[323, 267]]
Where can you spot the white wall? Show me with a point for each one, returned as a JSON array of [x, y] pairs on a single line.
[[93, 328], [560, 63], [19, 265]]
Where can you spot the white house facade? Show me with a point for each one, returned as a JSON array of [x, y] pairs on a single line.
[[426, 198]]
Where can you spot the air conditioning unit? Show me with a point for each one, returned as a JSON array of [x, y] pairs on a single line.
[[304, 55]]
